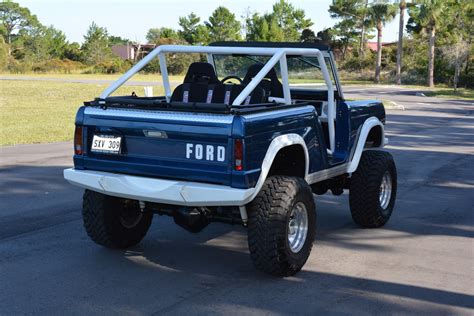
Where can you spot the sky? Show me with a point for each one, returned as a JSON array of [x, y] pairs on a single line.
[[132, 19]]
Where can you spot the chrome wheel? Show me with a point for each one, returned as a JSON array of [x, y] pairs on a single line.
[[297, 227], [385, 192]]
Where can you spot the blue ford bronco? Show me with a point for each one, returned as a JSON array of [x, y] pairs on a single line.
[[243, 141]]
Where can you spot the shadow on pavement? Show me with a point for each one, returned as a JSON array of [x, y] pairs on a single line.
[[222, 266]]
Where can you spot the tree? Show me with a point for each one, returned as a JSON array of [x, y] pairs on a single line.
[[96, 45], [380, 12], [291, 20], [117, 40], [275, 32], [15, 18], [263, 28], [202, 35], [153, 35], [223, 25], [170, 33], [364, 24], [345, 30], [3, 54], [156, 35], [40, 43], [55, 41], [191, 30], [353, 12], [456, 54], [285, 23], [308, 36], [326, 35], [401, 25], [72, 51], [256, 28], [426, 15], [458, 44]]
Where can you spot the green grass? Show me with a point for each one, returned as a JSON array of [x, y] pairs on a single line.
[[461, 94], [153, 77], [43, 112], [137, 77], [322, 82], [355, 82]]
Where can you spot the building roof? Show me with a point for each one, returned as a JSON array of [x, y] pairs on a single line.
[[373, 45]]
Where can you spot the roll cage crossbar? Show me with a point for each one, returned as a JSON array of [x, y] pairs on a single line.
[[278, 56]]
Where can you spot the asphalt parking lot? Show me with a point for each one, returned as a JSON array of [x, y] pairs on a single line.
[[421, 262]]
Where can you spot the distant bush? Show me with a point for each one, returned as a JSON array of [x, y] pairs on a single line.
[[362, 75], [414, 76], [57, 65], [177, 63], [3, 55], [152, 67], [466, 79], [111, 66], [355, 62], [17, 67]]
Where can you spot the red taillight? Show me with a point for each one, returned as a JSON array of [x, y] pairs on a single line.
[[78, 140], [238, 154]]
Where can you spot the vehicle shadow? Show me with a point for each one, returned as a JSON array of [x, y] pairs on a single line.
[[219, 268]]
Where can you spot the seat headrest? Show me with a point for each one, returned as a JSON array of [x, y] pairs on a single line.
[[276, 86], [200, 72]]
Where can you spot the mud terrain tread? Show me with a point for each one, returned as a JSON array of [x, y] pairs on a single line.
[[365, 186], [267, 231], [100, 218]]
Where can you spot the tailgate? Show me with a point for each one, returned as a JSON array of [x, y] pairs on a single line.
[[160, 144]]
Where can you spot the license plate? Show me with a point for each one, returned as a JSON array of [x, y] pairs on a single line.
[[106, 144]]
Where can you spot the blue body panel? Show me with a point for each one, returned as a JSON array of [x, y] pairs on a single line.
[[158, 157], [359, 112], [167, 157], [258, 131]]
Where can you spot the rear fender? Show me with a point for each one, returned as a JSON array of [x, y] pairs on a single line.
[[367, 127], [276, 145]]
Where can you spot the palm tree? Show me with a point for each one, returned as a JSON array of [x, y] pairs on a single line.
[[380, 13], [363, 30], [401, 24], [430, 12]]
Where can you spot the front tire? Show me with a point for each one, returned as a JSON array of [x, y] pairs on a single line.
[[373, 189], [282, 225], [114, 222]]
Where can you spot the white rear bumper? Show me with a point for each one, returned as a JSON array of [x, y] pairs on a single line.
[[159, 190]]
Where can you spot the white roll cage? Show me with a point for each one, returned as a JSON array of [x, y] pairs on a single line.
[[278, 55]]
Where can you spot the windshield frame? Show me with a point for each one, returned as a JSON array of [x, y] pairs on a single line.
[[254, 58]]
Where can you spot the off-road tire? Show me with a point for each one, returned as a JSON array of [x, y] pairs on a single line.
[[101, 216], [364, 189], [269, 215]]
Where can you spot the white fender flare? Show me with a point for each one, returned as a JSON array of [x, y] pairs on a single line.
[[363, 134], [278, 143]]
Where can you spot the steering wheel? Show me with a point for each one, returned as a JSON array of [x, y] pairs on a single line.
[[232, 77]]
